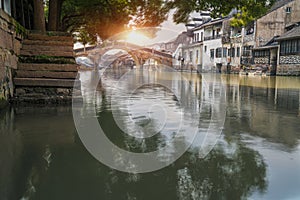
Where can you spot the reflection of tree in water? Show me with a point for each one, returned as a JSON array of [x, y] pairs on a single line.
[[223, 175], [123, 140]]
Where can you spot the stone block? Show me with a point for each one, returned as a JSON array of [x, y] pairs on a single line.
[[48, 67], [33, 52], [43, 82], [45, 74]]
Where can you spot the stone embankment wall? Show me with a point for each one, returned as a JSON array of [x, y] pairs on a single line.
[[10, 44], [289, 65]]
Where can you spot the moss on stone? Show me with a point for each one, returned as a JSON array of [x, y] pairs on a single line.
[[47, 59], [19, 29]]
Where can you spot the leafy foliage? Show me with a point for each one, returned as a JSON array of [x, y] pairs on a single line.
[[248, 9], [106, 18]]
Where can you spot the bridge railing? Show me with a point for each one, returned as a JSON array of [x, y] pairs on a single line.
[[124, 44]]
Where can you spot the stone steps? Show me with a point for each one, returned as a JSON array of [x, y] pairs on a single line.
[[42, 37], [45, 47], [47, 43], [44, 82], [46, 71], [48, 67], [33, 52], [46, 74]]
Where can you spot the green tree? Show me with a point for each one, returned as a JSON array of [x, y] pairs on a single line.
[[248, 9], [106, 18], [84, 38]]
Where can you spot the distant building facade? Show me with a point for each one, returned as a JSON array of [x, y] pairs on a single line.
[[282, 17], [289, 54], [215, 45]]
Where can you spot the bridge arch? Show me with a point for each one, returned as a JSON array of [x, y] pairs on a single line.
[[138, 53]]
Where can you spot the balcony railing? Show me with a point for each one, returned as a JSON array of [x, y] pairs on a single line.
[[226, 40], [212, 37]]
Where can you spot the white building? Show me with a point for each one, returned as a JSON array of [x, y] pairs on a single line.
[[213, 57], [205, 52]]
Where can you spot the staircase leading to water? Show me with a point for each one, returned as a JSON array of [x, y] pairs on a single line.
[[46, 70]]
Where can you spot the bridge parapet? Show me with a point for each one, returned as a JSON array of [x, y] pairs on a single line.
[[138, 53]]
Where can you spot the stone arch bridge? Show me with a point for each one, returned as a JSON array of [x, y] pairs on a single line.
[[138, 53]]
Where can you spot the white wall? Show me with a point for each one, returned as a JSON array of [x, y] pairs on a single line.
[[209, 64]]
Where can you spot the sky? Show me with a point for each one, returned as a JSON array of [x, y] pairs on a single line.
[[174, 29], [169, 31]]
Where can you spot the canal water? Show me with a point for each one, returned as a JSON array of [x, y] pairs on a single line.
[[254, 153]]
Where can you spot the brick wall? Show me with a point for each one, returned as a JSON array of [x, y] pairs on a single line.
[[9, 49]]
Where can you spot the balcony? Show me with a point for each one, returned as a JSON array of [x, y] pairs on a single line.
[[226, 40], [212, 37]]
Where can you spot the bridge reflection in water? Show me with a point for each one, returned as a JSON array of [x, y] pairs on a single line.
[[257, 156]]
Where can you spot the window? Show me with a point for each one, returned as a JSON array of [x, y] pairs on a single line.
[[288, 9], [212, 53], [238, 51], [191, 56], [197, 56], [201, 36], [290, 47], [233, 52], [219, 53], [205, 48], [224, 52], [247, 50], [262, 53]]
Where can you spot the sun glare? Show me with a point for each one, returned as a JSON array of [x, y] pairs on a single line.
[[136, 38]]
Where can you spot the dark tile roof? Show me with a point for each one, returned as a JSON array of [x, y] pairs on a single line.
[[294, 33]]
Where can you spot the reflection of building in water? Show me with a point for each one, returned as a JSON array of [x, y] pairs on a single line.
[[264, 106]]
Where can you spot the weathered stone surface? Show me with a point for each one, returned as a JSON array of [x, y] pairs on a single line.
[[46, 60], [8, 59], [43, 82], [45, 74], [289, 59], [20, 92], [9, 44], [34, 52], [288, 70], [36, 36], [43, 47], [261, 60], [48, 67], [275, 22], [48, 43], [42, 99], [64, 91]]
